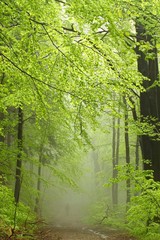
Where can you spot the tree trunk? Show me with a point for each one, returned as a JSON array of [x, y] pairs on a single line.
[[115, 158], [1, 119], [117, 152], [37, 200], [114, 194], [2, 180], [127, 149], [149, 101], [1, 113], [137, 154], [19, 156]]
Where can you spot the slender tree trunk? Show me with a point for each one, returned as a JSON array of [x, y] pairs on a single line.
[[115, 158], [127, 149], [137, 158], [137, 154], [1, 113], [149, 101], [1, 119], [19, 156], [117, 152], [114, 196], [37, 200], [1, 146]]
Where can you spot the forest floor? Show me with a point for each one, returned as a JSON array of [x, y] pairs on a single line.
[[84, 233]]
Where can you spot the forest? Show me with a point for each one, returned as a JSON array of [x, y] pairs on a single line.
[[80, 118]]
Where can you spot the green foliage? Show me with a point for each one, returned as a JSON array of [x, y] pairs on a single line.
[[143, 211], [102, 213], [97, 211], [11, 216], [143, 214]]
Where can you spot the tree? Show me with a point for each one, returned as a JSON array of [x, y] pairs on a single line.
[[19, 155], [149, 99], [115, 157], [127, 149]]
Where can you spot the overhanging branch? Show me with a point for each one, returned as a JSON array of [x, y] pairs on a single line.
[[37, 79]]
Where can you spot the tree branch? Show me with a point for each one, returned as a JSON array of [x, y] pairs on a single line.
[[38, 80], [72, 62]]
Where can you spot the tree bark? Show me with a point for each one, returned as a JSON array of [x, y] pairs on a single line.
[[137, 153], [127, 149], [19, 156], [149, 100]]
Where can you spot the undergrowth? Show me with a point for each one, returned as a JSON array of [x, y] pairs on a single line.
[[14, 219], [141, 216]]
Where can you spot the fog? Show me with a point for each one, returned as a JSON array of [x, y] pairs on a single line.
[[63, 205], [69, 209], [66, 206]]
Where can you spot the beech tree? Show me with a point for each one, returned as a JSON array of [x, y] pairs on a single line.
[[150, 99]]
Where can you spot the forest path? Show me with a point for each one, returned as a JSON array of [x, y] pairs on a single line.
[[62, 233]]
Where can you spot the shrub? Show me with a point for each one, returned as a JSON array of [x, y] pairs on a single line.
[[144, 213], [12, 216]]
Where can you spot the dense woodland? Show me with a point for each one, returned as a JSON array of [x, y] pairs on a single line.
[[79, 83]]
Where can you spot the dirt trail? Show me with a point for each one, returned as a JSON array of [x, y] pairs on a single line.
[[55, 233]]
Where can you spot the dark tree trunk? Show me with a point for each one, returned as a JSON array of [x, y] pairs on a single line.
[[149, 101], [127, 149], [137, 154], [19, 156]]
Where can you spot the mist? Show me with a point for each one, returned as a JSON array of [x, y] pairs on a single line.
[[68, 206], [86, 203]]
